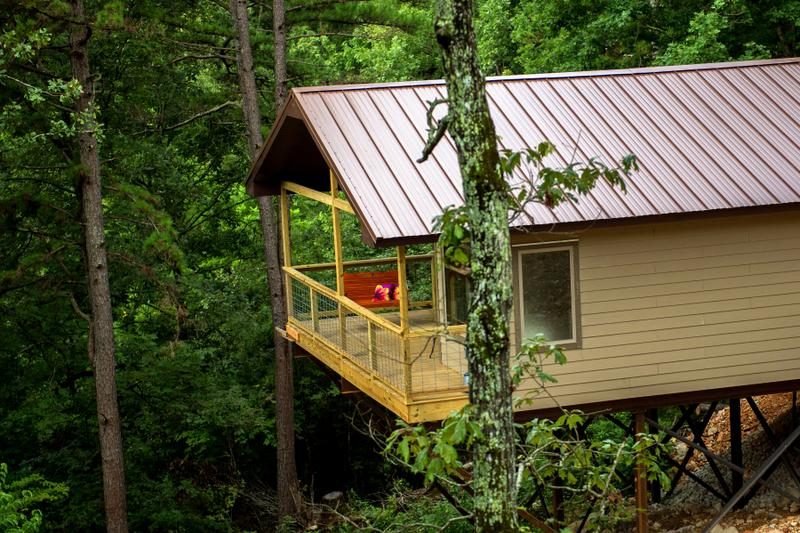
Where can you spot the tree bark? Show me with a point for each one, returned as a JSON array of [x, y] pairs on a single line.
[[101, 322], [289, 501], [486, 204], [279, 32]]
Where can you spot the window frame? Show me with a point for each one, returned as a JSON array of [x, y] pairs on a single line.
[[448, 298], [519, 309]]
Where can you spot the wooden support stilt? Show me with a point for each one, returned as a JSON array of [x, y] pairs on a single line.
[[735, 424], [640, 480], [655, 487]]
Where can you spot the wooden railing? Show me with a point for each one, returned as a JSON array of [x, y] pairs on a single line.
[[353, 332], [420, 362]]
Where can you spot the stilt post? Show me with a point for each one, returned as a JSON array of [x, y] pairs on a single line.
[[735, 424], [640, 479], [655, 487], [558, 505]]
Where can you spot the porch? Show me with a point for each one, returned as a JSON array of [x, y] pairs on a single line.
[[401, 353]]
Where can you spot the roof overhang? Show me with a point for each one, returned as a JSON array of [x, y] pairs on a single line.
[[711, 139]]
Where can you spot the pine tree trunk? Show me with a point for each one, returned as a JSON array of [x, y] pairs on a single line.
[[101, 328], [485, 193], [289, 501]]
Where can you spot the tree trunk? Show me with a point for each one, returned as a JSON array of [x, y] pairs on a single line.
[[289, 501], [101, 322], [279, 31], [486, 203]]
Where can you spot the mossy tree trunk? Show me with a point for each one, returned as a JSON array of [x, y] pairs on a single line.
[[486, 204]]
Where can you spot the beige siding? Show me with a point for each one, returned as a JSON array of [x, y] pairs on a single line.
[[684, 306]]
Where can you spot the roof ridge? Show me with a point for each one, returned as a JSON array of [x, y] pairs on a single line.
[[558, 75]]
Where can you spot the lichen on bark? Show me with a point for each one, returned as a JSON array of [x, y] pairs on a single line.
[[486, 205]]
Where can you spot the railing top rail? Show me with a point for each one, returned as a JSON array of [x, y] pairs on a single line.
[[343, 300], [362, 262], [458, 330]]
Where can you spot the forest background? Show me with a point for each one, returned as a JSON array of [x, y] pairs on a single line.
[[191, 310]]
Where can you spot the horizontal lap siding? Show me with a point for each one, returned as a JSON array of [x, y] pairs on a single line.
[[684, 306]]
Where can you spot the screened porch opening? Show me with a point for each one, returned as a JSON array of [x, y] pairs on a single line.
[[374, 315]]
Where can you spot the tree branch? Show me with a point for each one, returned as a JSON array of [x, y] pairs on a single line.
[[202, 57], [200, 115], [77, 309], [324, 34], [436, 129]]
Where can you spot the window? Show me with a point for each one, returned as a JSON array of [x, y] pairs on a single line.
[[457, 296], [547, 293]]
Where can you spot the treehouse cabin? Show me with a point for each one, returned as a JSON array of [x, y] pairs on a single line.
[[684, 288]]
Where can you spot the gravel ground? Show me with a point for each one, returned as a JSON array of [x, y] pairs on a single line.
[[690, 507]]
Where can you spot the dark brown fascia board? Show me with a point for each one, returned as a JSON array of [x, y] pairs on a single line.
[[664, 400], [294, 108], [578, 227], [558, 75], [573, 227], [289, 109]]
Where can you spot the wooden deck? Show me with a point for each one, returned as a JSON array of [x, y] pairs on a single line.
[[429, 371], [435, 384]]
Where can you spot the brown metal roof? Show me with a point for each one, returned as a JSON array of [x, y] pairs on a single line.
[[707, 137]]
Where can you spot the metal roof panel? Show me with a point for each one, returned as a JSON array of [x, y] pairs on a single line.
[[707, 137]]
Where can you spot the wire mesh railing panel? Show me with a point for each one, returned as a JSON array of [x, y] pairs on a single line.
[[357, 334], [438, 364], [327, 323], [372, 343], [301, 301], [387, 356]]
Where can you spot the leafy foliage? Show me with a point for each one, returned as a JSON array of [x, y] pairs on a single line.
[[18, 498], [191, 314], [532, 181], [550, 453]]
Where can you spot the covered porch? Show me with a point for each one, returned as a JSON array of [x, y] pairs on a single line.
[[402, 351]]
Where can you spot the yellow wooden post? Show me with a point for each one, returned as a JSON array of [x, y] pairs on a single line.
[[402, 287], [286, 247], [402, 283], [435, 290], [372, 348], [337, 250], [313, 297]]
